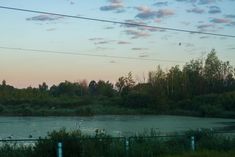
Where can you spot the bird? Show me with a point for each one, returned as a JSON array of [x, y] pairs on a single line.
[[179, 43]]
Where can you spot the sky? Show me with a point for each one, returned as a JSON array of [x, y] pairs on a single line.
[[72, 37]]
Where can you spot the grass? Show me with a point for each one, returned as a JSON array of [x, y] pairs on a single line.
[[76, 144], [205, 153]]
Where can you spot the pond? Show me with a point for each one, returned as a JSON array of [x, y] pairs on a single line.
[[116, 125]]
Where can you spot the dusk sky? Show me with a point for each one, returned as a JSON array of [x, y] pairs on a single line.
[[27, 30]]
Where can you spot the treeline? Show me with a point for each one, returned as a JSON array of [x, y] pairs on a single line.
[[200, 87]]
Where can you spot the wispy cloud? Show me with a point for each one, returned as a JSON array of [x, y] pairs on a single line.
[[232, 23], [123, 42], [214, 10], [205, 26], [138, 49], [203, 2], [44, 17], [196, 10], [160, 4], [132, 23], [114, 5], [220, 20], [112, 61], [103, 42], [95, 39], [204, 37], [143, 55], [146, 13], [136, 34], [109, 27], [230, 16], [187, 1], [51, 29]]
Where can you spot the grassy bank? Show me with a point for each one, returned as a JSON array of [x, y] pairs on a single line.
[[99, 109]]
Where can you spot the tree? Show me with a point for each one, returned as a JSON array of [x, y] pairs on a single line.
[[124, 84], [105, 88], [213, 65], [175, 79], [92, 87], [193, 78], [43, 87], [4, 83], [157, 80], [216, 72]]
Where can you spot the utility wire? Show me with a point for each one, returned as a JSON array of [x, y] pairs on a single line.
[[89, 55], [118, 22]]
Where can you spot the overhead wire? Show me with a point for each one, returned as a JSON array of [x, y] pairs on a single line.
[[86, 54], [117, 22]]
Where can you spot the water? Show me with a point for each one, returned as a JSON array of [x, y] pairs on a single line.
[[23, 127]]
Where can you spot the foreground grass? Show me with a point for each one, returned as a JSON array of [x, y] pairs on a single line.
[[205, 153], [76, 144]]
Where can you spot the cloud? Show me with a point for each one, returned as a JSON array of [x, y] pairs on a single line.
[[51, 29], [132, 23], [103, 42], [165, 12], [220, 20], [114, 5], [204, 37], [232, 23], [147, 13], [111, 7], [109, 27], [71, 2], [214, 10], [203, 2], [230, 16], [95, 39], [143, 56], [186, 23], [112, 61], [44, 17], [188, 44], [115, 1], [137, 34], [188, 1], [123, 42], [150, 29], [204, 26], [160, 4], [196, 10], [138, 49]]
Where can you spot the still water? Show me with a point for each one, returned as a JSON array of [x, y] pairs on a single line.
[[23, 127]]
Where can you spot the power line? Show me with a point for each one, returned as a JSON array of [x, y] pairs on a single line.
[[118, 22], [89, 55]]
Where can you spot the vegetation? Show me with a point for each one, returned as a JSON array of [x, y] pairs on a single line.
[[77, 144], [199, 88]]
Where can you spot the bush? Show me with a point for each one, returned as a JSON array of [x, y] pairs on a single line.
[[1, 108], [85, 111], [208, 140], [13, 150], [77, 145]]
